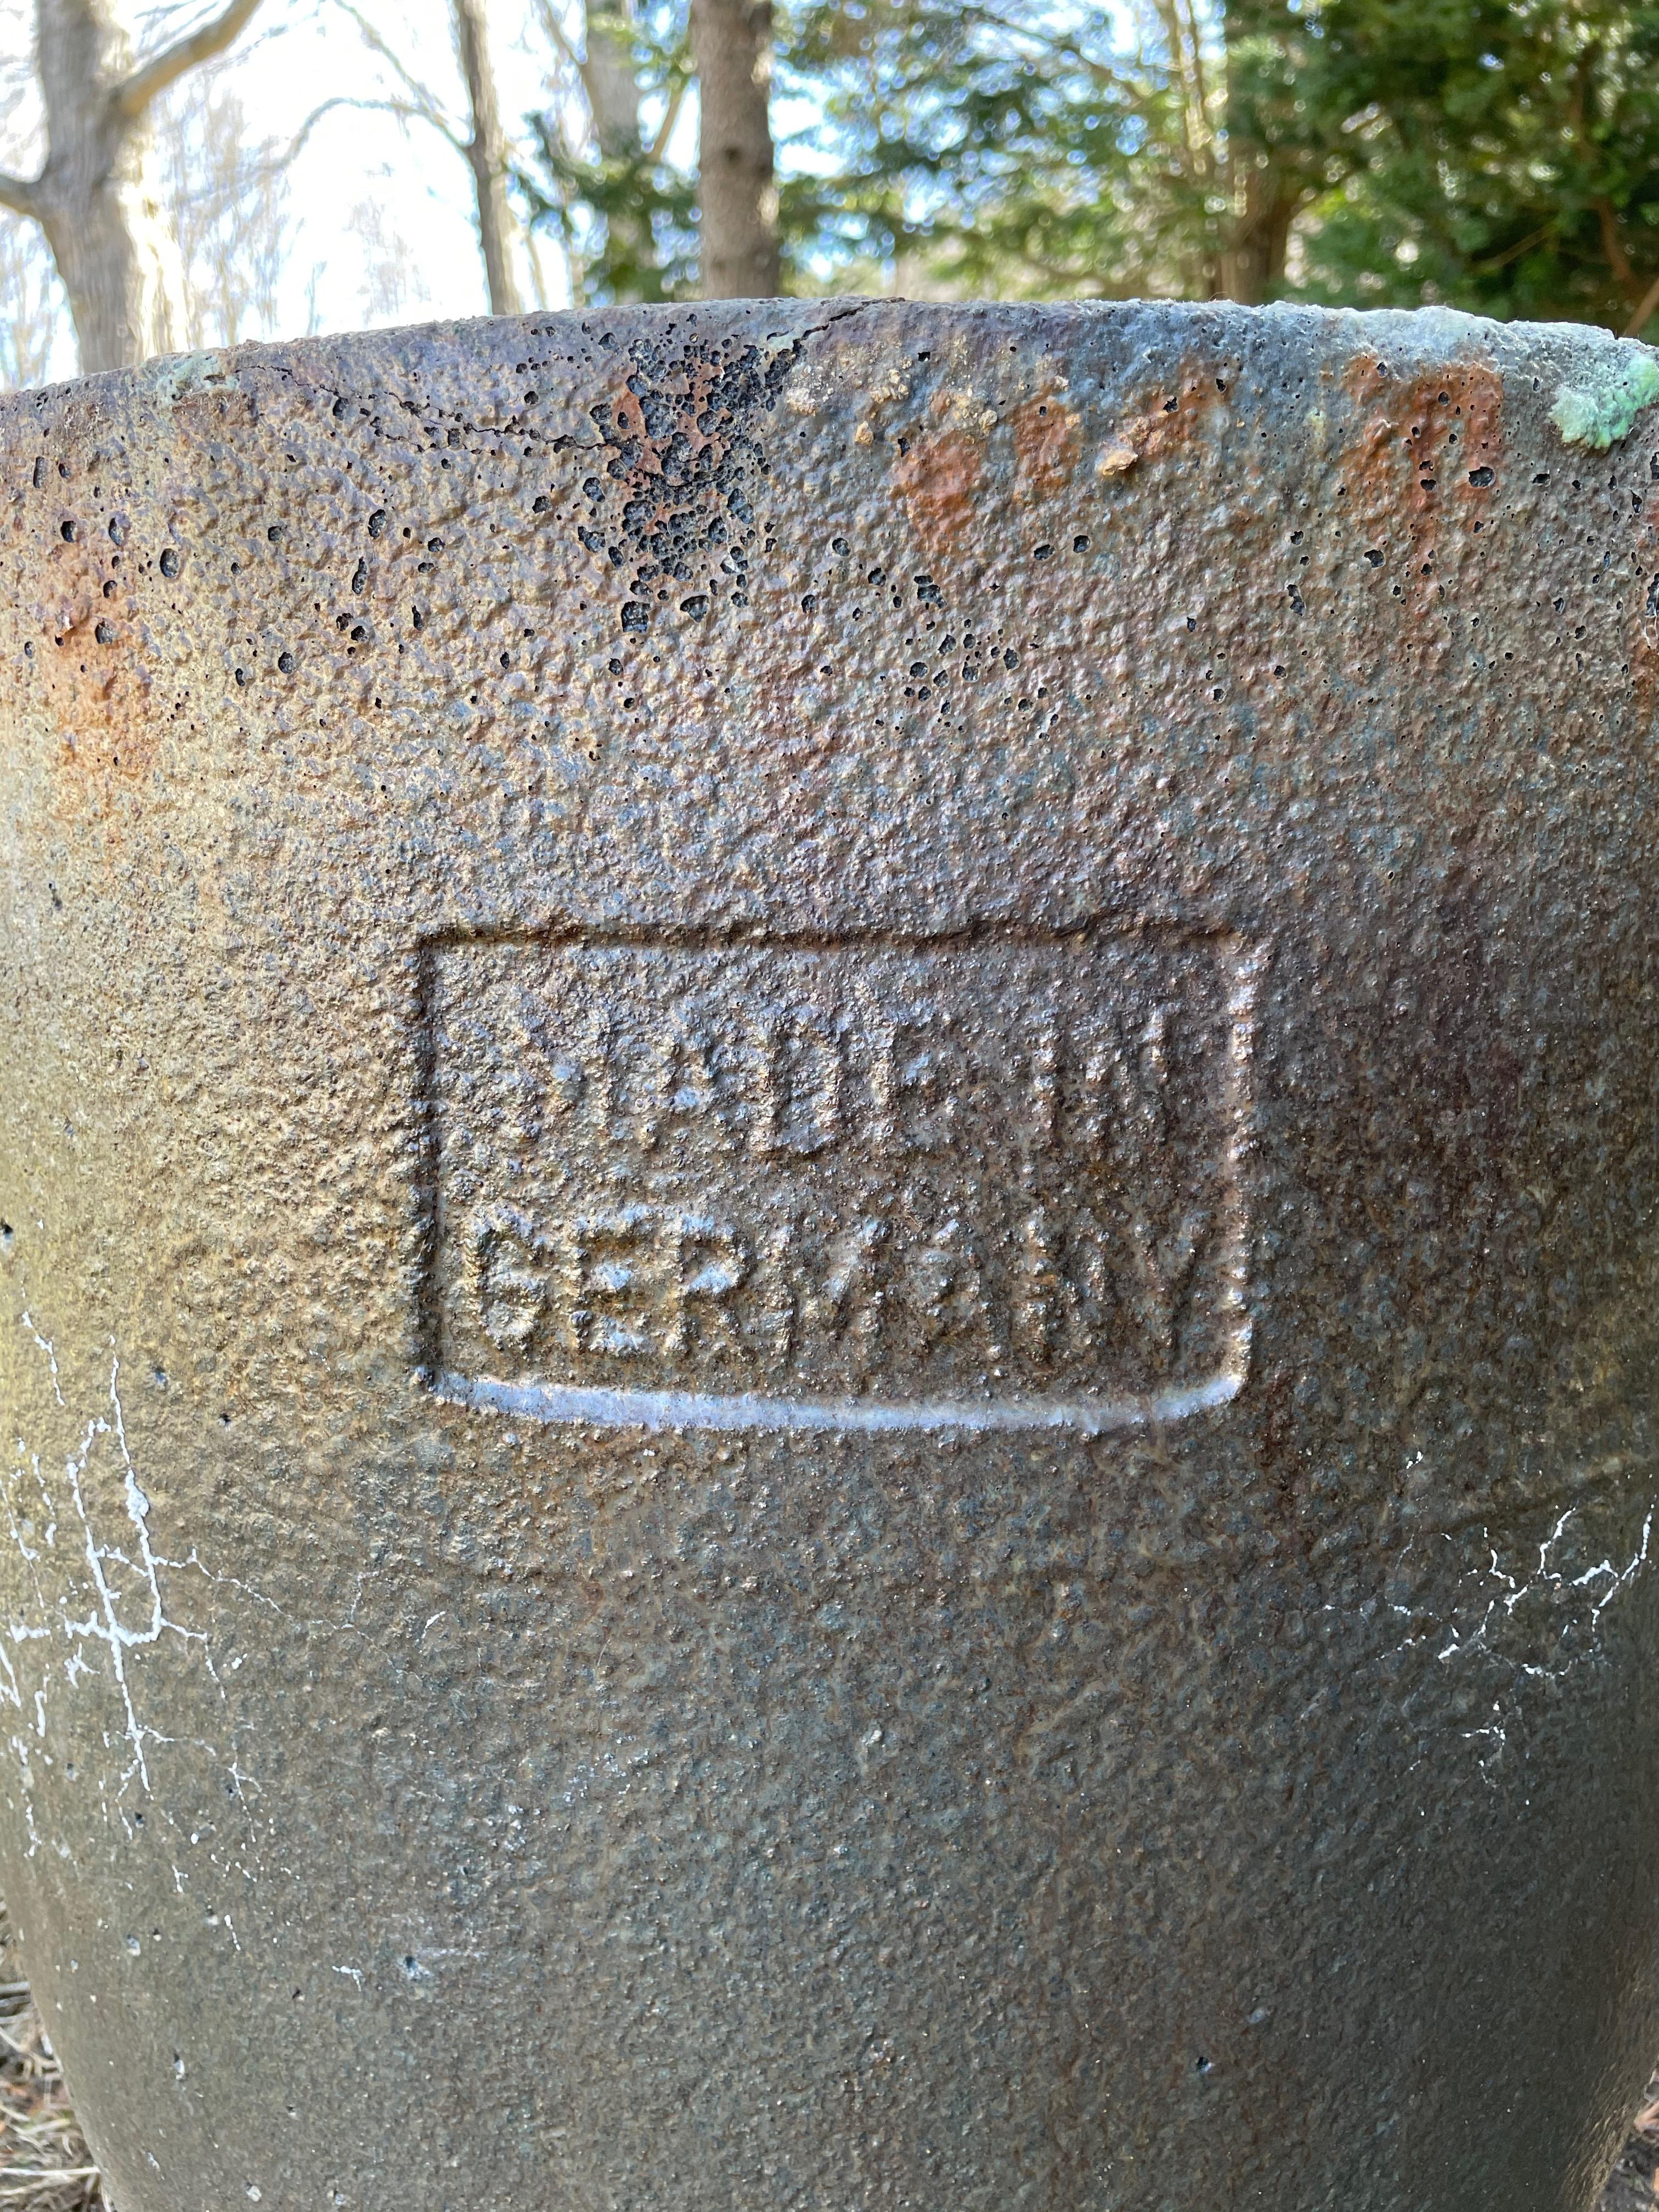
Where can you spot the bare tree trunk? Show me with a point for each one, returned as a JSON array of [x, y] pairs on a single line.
[[486, 152], [1251, 261], [97, 198], [1264, 200], [612, 93], [612, 90], [732, 47]]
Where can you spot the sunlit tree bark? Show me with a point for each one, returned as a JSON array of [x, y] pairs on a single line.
[[737, 195], [97, 197]]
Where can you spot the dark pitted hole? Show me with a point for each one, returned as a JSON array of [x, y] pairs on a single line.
[[66, 530], [1042, 552], [169, 562], [434, 544], [1374, 557], [615, 666], [275, 534], [838, 546], [117, 530], [285, 662], [1481, 477], [104, 633], [636, 615], [1080, 542], [809, 603], [377, 522]]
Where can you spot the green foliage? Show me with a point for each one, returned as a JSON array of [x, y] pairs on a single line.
[[1015, 151], [1504, 159], [1501, 158], [628, 226], [602, 183]]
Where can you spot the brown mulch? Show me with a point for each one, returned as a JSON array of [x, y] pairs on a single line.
[[45, 2165], [1633, 2186]]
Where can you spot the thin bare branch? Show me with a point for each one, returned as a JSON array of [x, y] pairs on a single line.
[[1650, 302], [555, 30], [431, 108], [671, 117], [151, 78], [19, 194], [406, 110]]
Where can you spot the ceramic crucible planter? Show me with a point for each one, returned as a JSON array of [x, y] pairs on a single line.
[[829, 1261]]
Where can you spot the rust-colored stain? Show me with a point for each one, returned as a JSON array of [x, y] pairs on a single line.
[[1420, 466], [1047, 448], [678, 442], [1169, 422], [674, 500], [1425, 443], [939, 480], [98, 685]]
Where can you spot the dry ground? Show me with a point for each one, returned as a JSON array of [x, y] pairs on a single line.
[[45, 2167]]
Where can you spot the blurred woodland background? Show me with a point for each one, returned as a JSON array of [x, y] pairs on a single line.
[[180, 177]]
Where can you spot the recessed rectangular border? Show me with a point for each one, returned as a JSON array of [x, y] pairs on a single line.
[[658, 1411]]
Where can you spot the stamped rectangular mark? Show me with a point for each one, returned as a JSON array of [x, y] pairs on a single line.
[[993, 1181]]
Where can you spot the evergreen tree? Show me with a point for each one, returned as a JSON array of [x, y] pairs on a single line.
[[1502, 158]]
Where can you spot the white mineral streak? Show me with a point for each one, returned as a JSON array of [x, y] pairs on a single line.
[[119, 1608]]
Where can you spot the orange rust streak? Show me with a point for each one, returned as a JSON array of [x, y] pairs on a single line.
[[1167, 427], [98, 690], [1404, 457], [1045, 448], [939, 480]]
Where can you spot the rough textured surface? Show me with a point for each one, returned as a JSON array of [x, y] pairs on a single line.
[[828, 1225]]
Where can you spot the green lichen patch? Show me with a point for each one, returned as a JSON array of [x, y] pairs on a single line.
[[1599, 414]]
